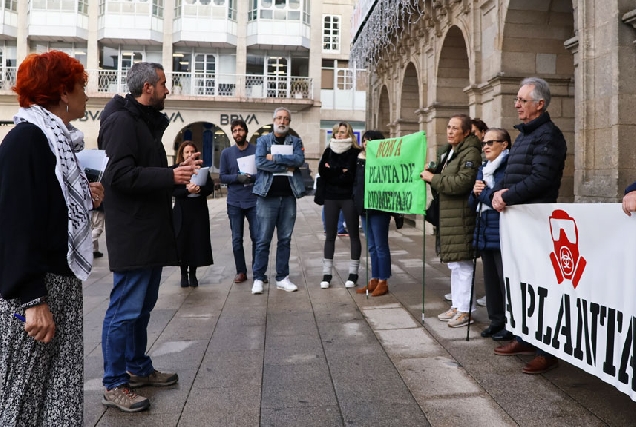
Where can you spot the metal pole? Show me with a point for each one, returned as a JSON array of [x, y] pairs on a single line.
[[472, 284]]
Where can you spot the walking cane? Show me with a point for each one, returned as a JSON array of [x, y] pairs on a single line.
[[472, 284]]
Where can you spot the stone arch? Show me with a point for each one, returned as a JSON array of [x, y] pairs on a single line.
[[409, 102], [452, 77], [533, 40], [384, 112], [453, 70], [210, 140]]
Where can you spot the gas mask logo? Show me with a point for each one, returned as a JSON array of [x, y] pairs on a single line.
[[566, 260]]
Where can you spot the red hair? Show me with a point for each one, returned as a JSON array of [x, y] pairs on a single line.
[[42, 78]]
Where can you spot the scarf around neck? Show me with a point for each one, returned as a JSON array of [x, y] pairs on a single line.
[[489, 174], [64, 143], [339, 146]]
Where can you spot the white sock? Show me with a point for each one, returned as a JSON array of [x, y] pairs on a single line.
[[354, 266], [327, 267]]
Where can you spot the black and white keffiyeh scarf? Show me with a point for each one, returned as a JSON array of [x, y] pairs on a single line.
[[64, 143]]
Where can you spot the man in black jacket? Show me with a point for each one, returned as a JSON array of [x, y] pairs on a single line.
[[533, 175], [140, 237]]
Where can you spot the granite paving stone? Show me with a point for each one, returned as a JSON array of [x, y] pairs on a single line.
[[331, 357]]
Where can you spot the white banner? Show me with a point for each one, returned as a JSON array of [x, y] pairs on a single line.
[[570, 272]]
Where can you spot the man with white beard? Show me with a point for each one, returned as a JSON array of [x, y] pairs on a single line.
[[278, 184]]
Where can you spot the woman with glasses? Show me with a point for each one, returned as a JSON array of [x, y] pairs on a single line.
[[453, 180], [337, 167], [486, 240]]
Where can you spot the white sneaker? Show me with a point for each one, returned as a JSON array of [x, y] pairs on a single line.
[[286, 285], [481, 301], [448, 297], [324, 285], [257, 287]]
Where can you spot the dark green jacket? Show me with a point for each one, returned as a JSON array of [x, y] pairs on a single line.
[[454, 184]]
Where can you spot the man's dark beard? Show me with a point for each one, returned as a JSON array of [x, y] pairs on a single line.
[[240, 142]]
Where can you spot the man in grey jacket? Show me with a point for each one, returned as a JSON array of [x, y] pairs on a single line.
[[278, 184]]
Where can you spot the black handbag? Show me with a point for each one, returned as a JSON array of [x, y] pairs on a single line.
[[321, 188], [432, 213]]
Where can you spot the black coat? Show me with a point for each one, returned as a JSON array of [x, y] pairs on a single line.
[[358, 183], [535, 164], [192, 225], [339, 184], [138, 186]]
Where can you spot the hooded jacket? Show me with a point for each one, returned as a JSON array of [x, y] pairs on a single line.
[[453, 185], [138, 186]]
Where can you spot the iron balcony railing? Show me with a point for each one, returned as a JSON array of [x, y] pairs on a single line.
[[212, 84], [195, 84]]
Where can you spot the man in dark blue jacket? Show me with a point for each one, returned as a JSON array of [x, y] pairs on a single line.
[[533, 175]]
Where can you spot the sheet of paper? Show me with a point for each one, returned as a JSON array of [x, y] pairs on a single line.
[[201, 177], [283, 149], [92, 159], [247, 164]]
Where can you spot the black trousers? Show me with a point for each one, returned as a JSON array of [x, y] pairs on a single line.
[[495, 287], [332, 212]]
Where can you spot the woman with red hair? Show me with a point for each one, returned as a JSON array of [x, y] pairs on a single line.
[[45, 246]]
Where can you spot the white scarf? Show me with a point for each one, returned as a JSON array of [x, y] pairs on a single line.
[[489, 174], [64, 143], [339, 146]]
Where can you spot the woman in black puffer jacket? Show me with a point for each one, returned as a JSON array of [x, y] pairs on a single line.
[[337, 167]]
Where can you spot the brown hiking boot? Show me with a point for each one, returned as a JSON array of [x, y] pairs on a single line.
[[371, 287], [381, 289], [124, 399]]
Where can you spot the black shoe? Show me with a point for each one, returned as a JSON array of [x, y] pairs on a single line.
[[184, 281], [193, 281], [490, 331], [265, 280], [97, 254], [502, 335]]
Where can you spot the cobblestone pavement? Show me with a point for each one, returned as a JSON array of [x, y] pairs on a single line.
[[331, 357]]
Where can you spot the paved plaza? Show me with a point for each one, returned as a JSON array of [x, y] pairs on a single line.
[[331, 357]]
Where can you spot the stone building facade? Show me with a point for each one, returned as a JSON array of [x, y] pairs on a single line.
[[430, 59]]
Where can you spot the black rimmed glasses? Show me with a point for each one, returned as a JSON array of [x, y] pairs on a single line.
[[491, 142]]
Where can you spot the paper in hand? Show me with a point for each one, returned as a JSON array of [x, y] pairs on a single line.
[[247, 164], [93, 163], [285, 150]]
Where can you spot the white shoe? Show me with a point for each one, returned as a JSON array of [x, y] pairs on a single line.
[[257, 287], [286, 285], [324, 285], [448, 297], [481, 301], [350, 284]]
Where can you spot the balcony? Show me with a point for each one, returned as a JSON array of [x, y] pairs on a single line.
[[205, 24], [211, 85], [56, 20], [7, 79], [123, 21], [9, 23], [338, 99], [270, 34]]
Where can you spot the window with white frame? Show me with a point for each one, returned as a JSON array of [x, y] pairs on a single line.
[[11, 5], [82, 7], [279, 10], [157, 8], [331, 33]]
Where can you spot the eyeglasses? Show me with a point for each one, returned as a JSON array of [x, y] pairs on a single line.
[[282, 119], [491, 142], [523, 101]]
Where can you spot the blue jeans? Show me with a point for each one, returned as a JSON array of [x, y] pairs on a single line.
[[124, 335], [279, 212], [237, 217], [377, 232]]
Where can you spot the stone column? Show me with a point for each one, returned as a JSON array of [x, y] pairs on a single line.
[[168, 18], [92, 48], [241, 46], [23, 31]]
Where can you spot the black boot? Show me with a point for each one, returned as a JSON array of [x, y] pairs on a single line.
[[193, 277], [184, 277]]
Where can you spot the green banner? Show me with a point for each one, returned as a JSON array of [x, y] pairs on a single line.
[[392, 174]]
